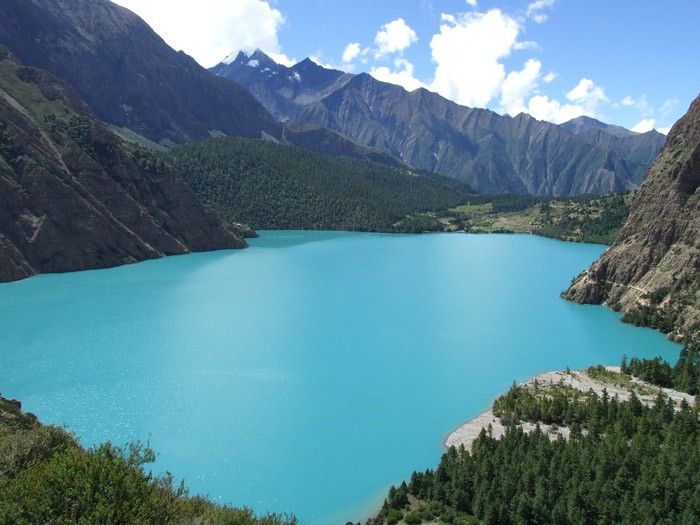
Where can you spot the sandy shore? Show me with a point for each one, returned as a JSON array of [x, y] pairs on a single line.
[[579, 379]]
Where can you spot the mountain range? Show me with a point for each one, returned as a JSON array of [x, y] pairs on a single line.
[[490, 152], [130, 78], [77, 196]]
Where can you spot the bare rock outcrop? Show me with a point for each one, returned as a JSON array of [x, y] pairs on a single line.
[[651, 271]]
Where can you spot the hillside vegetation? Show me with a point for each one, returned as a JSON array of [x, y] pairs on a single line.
[[589, 218], [46, 477], [274, 186]]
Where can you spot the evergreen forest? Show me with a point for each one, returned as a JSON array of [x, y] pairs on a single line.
[[624, 462], [273, 186]]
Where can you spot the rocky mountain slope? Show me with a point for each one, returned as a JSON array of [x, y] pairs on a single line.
[[127, 74], [639, 149], [75, 196], [492, 153], [651, 271]]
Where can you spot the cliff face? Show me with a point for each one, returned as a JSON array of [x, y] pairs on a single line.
[[75, 196], [651, 271]]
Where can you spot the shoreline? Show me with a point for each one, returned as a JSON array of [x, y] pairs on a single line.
[[467, 433]]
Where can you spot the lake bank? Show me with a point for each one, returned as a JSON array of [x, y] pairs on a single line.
[[612, 382]]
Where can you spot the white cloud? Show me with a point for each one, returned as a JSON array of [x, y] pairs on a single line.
[[668, 106], [534, 8], [394, 37], [587, 95], [352, 51], [627, 101], [585, 99], [543, 108], [209, 30], [467, 53], [518, 85], [526, 45], [550, 77], [472, 3], [402, 75], [665, 131], [644, 125], [321, 61]]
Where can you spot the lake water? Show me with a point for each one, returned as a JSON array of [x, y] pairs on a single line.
[[311, 371]]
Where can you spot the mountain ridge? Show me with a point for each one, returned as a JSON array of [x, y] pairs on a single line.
[[490, 152]]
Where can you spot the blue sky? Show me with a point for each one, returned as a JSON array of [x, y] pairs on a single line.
[[629, 63]]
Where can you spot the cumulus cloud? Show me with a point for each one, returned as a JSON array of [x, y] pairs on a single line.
[[468, 51], [352, 51], [644, 125], [518, 85], [472, 3], [584, 99], [394, 37], [543, 108], [627, 101], [209, 30], [402, 75], [550, 77], [588, 95]]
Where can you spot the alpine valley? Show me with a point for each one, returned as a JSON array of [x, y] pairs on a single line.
[[115, 148]]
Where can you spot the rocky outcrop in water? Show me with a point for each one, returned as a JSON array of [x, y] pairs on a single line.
[[651, 272], [75, 196]]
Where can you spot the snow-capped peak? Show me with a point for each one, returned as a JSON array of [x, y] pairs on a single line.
[[233, 55]]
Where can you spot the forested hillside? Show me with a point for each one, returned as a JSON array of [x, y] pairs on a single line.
[[624, 462], [273, 186]]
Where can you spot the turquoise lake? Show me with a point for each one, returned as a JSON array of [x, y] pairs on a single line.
[[310, 372]]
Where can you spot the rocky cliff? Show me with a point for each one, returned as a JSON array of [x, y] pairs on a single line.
[[651, 271], [127, 74], [75, 196]]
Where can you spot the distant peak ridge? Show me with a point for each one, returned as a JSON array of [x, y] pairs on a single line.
[[490, 152], [284, 91], [243, 57]]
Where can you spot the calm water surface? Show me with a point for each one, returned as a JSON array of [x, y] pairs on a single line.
[[310, 372]]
